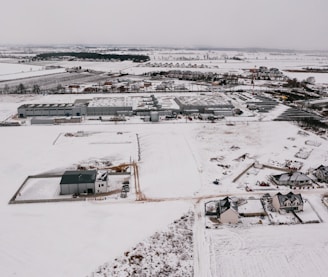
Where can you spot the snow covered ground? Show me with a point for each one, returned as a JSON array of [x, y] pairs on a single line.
[[179, 161], [294, 250], [9, 71], [175, 165]]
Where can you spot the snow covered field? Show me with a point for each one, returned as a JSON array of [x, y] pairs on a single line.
[[295, 250], [9, 71], [175, 164]]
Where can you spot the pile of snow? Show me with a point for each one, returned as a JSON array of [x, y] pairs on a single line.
[[166, 253], [303, 153]]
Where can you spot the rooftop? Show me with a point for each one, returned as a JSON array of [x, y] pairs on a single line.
[[203, 100], [111, 102], [78, 177]]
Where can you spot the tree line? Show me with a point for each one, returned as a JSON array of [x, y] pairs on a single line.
[[93, 56]]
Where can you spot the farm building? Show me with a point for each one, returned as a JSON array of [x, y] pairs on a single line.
[[293, 179], [84, 181], [322, 173], [288, 202]]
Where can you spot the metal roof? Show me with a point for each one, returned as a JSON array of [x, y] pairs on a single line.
[[79, 177]]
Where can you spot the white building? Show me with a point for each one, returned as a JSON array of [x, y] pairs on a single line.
[[101, 183]]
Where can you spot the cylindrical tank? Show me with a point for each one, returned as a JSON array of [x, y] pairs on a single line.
[[154, 116]]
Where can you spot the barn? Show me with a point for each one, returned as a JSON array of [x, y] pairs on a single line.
[[77, 182]]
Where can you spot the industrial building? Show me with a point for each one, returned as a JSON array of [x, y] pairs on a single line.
[[131, 105], [83, 182], [110, 106], [63, 109], [205, 104]]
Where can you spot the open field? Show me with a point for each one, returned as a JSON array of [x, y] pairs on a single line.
[[269, 251], [175, 164]]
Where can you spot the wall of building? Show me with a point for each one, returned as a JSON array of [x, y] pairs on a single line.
[[229, 216], [67, 189]]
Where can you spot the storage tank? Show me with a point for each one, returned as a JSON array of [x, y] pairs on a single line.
[[154, 116]]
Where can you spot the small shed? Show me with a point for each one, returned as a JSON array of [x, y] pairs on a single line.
[[77, 182]]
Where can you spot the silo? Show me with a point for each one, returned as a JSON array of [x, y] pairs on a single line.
[[154, 116]]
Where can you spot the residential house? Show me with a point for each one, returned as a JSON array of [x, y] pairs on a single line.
[[288, 202], [322, 173], [292, 179], [225, 210]]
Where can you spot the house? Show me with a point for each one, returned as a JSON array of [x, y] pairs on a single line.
[[223, 209], [227, 211], [288, 202], [293, 179], [83, 182], [322, 173]]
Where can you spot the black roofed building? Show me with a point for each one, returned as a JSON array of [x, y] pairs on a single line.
[[292, 179], [225, 210], [77, 182], [322, 173], [288, 202]]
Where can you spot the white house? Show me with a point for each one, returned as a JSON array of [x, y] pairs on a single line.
[[288, 202]]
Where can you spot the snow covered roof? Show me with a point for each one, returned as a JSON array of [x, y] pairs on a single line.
[[289, 196], [203, 100], [291, 177], [224, 205], [110, 102], [323, 169]]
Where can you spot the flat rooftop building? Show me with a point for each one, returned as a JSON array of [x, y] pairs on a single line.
[[109, 106], [203, 102]]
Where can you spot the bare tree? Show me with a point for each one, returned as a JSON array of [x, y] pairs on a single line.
[[36, 89], [21, 89]]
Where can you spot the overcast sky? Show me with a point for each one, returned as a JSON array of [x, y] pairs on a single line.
[[293, 24]]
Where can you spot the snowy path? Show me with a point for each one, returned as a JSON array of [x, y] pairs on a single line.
[[201, 247]]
